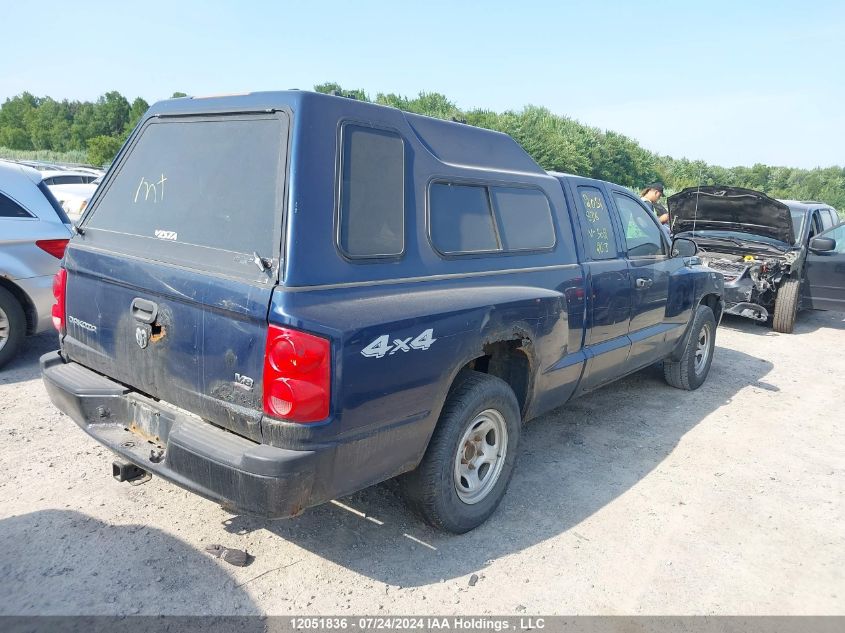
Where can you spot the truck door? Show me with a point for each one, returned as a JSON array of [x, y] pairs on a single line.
[[824, 273], [647, 250], [608, 286]]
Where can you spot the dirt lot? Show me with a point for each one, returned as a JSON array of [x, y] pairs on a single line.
[[635, 499]]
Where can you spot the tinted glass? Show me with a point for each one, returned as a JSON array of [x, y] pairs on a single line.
[[642, 235], [524, 218], [11, 209], [211, 183], [372, 193], [824, 218], [815, 223], [68, 180], [461, 219], [837, 234], [797, 223], [596, 226]]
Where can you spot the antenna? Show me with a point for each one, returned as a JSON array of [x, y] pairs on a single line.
[[697, 194]]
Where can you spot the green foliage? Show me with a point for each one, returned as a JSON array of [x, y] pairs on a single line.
[[102, 149], [559, 143], [136, 111], [30, 124], [70, 157], [428, 103], [820, 184], [332, 88]]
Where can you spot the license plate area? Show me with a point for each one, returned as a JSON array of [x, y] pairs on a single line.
[[149, 423]]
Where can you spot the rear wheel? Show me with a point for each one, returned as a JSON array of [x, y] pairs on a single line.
[[12, 326], [691, 370], [786, 306], [469, 461]]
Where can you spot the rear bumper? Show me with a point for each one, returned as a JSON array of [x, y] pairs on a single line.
[[219, 465]]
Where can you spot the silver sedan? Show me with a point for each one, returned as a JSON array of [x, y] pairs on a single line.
[[34, 231]]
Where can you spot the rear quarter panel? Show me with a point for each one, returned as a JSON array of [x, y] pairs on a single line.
[[386, 407]]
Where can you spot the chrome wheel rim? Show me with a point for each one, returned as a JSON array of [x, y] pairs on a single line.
[[4, 328], [481, 456], [702, 350]]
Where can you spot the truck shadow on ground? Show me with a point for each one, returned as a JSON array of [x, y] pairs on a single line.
[[149, 572], [572, 462]]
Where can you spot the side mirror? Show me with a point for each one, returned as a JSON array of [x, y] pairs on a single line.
[[683, 247], [822, 244]]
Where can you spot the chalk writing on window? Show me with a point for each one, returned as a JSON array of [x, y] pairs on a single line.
[[596, 229], [152, 191]]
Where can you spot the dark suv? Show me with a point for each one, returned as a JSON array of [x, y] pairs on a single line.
[[278, 299], [766, 249]]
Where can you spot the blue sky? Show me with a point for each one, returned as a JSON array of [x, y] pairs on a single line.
[[728, 82]]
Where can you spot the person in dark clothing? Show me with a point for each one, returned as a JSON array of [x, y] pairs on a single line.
[[651, 195]]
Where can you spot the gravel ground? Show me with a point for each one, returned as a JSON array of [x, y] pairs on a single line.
[[636, 499]]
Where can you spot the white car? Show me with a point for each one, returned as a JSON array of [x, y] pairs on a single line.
[[72, 188], [34, 231], [53, 177], [74, 198]]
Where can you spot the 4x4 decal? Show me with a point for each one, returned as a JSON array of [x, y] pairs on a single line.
[[381, 346]]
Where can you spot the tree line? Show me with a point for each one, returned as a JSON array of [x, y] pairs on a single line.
[[562, 144], [556, 142], [97, 128]]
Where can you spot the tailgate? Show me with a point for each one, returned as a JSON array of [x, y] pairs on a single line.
[[169, 284]]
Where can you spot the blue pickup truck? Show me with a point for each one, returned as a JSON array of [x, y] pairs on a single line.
[[277, 299]]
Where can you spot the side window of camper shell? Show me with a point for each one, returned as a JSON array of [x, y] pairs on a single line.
[[371, 219]]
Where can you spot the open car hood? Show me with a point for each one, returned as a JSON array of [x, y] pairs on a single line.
[[715, 208]]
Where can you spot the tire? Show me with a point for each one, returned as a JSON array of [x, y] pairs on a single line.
[[786, 306], [12, 326], [691, 370], [440, 490]]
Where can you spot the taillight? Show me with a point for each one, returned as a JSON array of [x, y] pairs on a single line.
[[56, 248], [297, 375], [59, 287]]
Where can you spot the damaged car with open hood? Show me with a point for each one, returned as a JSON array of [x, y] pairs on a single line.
[[777, 257]]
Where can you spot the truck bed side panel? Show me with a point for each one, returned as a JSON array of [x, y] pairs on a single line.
[[387, 400]]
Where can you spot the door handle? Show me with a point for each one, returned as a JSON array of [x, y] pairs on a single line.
[[143, 310], [643, 282]]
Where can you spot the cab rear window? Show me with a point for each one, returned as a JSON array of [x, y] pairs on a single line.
[[469, 218], [212, 183]]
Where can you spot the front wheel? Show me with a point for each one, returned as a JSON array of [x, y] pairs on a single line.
[[786, 306], [469, 461], [691, 370]]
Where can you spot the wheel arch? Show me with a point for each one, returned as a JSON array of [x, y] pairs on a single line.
[[26, 303], [509, 356], [713, 301]]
